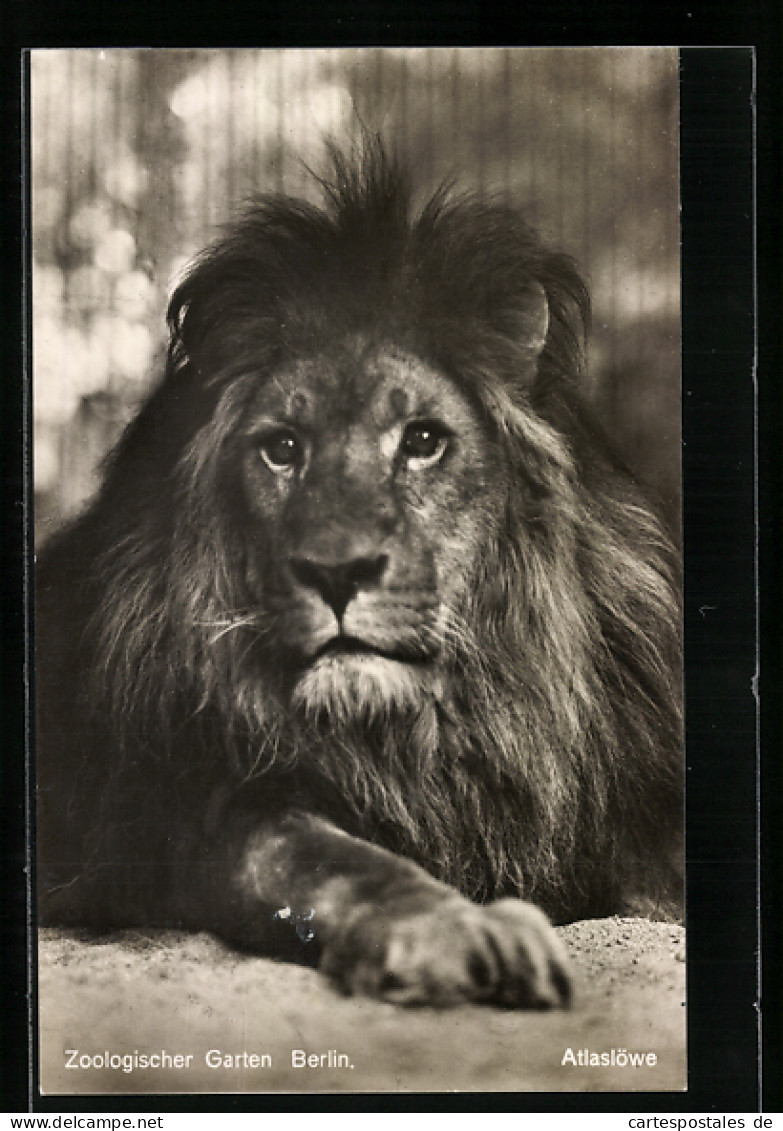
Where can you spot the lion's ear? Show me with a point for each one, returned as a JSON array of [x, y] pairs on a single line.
[[527, 324]]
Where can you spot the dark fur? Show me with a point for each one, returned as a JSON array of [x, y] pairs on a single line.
[[552, 768]]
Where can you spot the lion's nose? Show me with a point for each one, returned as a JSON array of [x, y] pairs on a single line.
[[339, 582]]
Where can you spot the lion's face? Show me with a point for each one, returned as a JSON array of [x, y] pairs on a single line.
[[371, 483]]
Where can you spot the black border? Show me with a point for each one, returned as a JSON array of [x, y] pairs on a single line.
[[720, 486], [720, 585], [770, 304]]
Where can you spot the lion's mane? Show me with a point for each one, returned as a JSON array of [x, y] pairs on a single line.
[[551, 765]]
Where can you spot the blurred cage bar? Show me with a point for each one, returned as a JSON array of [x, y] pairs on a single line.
[[138, 155]]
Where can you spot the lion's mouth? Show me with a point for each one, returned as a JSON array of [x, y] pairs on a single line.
[[352, 646], [348, 679]]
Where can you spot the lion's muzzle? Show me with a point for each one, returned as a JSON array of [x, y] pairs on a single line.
[[338, 582]]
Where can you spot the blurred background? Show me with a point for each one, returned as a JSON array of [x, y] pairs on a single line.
[[137, 156]]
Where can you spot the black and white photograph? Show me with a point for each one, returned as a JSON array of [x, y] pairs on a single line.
[[358, 525]]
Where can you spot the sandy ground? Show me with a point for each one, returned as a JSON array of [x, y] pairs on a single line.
[[151, 991]]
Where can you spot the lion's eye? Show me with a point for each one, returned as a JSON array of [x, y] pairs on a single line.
[[423, 443], [281, 450]]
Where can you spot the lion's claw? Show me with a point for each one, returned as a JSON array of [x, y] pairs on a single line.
[[505, 953]]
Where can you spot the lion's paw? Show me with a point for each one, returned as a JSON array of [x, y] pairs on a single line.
[[453, 952]]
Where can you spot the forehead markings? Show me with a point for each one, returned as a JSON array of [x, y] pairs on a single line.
[[398, 400], [297, 403], [392, 386], [415, 387], [283, 396]]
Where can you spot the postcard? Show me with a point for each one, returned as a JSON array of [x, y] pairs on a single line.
[[357, 457]]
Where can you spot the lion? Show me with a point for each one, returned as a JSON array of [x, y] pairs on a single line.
[[367, 651]]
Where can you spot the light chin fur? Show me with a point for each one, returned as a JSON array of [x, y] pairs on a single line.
[[364, 687]]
